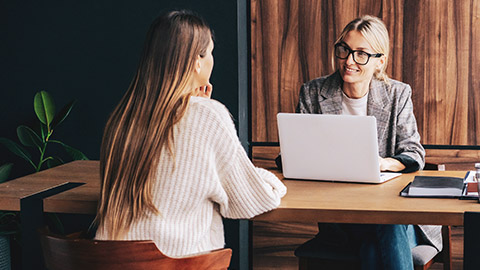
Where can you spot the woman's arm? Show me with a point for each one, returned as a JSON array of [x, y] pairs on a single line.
[[242, 190], [250, 190], [408, 149]]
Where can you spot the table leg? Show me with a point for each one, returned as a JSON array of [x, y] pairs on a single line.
[[31, 219], [471, 242]]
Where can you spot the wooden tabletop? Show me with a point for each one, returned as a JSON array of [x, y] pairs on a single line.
[[306, 201], [318, 201], [12, 192], [82, 199]]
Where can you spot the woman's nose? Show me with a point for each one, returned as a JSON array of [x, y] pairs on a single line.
[[350, 60]]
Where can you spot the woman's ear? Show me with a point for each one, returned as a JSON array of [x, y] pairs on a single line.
[[198, 65], [381, 62]]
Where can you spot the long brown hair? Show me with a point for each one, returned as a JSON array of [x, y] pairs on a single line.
[[141, 126]]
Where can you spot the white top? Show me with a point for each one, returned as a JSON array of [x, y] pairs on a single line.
[[354, 106], [212, 177]]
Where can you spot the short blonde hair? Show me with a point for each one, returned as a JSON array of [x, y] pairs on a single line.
[[375, 32]]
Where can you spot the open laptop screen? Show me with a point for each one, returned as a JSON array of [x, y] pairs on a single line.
[[329, 147]]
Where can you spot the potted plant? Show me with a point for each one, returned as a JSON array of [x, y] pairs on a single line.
[[37, 140]]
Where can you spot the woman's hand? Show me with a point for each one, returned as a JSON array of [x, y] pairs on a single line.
[[390, 164], [204, 91]]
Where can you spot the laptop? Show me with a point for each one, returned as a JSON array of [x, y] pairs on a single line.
[[330, 148]]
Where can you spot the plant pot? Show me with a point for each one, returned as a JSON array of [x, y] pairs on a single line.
[[5, 252]]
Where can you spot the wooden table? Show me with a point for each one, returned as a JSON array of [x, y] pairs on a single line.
[[80, 200], [309, 201], [12, 192], [52, 191], [306, 201], [316, 201], [25, 195]]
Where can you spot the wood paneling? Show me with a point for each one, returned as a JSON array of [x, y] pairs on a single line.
[[453, 159], [264, 156], [434, 48]]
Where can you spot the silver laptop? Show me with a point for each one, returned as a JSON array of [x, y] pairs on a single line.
[[330, 147]]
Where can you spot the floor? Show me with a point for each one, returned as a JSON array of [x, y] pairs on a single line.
[[274, 243]]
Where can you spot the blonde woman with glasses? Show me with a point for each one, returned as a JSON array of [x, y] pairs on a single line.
[[360, 86], [171, 162]]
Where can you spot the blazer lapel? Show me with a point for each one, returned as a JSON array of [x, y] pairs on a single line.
[[332, 94], [379, 105]]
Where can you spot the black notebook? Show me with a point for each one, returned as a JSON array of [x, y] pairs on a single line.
[[434, 186]]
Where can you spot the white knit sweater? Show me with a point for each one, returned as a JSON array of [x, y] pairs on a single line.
[[213, 177]]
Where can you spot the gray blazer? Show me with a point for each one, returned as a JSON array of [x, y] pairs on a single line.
[[392, 106]]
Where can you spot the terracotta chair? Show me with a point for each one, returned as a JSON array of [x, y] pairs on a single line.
[[72, 253]]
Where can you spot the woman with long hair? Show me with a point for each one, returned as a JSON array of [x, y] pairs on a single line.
[[171, 163]]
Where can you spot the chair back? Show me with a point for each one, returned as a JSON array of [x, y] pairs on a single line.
[[67, 253]]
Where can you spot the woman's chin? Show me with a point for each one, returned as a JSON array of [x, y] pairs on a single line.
[[348, 78]]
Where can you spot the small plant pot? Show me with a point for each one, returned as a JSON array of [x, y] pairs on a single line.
[[5, 252]]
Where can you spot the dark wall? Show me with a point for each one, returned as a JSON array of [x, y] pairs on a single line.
[[88, 51]]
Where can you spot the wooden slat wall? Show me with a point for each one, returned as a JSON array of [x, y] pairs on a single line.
[[435, 48]]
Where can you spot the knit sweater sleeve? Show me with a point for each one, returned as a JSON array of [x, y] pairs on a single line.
[[243, 190]]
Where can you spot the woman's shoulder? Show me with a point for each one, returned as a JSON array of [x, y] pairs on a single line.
[[398, 86], [207, 104], [214, 114], [393, 90], [210, 106]]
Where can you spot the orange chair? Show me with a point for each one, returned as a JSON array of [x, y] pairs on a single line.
[[74, 253]]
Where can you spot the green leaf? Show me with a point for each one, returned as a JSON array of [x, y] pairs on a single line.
[[5, 171], [54, 162], [44, 107], [74, 153], [28, 137], [62, 114], [17, 149]]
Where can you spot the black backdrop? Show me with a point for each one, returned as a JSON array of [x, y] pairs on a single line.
[[88, 51]]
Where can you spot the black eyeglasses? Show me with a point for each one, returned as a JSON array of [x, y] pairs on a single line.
[[360, 57]]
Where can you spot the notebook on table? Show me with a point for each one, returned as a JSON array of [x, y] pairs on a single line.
[[442, 187], [330, 148], [435, 187]]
